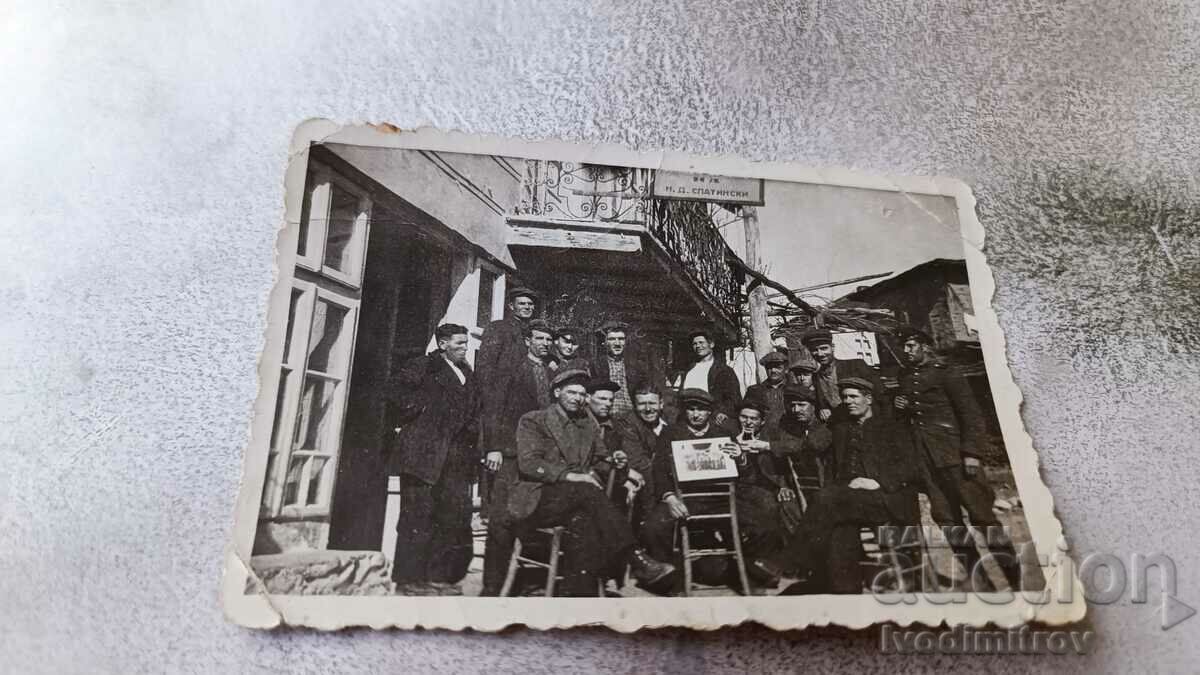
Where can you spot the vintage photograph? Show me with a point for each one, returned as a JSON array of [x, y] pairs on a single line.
[[518, 370]]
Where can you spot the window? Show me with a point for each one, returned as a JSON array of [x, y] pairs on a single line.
[[333, 227], [310, 402]]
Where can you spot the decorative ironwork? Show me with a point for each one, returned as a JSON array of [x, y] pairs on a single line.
[[687, 231], [584, 192]]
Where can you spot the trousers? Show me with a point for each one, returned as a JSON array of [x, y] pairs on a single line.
[[953, 492], [433, 533], [597, 541], [760, 521]]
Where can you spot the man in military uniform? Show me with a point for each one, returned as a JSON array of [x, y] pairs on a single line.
[[947, 429], [875, 482], [562, 460], [564, 355], [770, 391]]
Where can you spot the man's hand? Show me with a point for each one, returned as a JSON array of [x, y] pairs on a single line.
[[825, 414], [901, 402], [755, 446], [619, 459], [678, 510], [864, 484], [732, 449], [720, 419], [574, 477], [786, 495], [637, 477], [493, 460], [971, 466]]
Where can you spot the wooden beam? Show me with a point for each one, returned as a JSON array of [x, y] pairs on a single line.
[[622, 242]]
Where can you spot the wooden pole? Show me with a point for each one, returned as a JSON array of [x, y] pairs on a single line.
[[760, 330]]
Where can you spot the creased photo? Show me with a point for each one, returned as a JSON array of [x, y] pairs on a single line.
[[510, 382]]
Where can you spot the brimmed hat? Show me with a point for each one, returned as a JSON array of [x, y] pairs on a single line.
[[907, 333], [693, 395], [856, 383], [819, 336], [613, 325], [754, 403], [570, 376]]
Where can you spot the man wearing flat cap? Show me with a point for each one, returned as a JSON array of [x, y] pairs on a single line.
[[618, 366], [561, 457], [819, 343], [564, 355], [802, 367], [948, 430], [801, 442], [875, 482], [708, 375], [770, 391], [765, 500], [527, 389]]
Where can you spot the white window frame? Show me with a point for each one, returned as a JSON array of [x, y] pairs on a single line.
[[321, 177], [294, 370]]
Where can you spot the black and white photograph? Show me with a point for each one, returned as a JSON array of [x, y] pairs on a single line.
[[493, 375]]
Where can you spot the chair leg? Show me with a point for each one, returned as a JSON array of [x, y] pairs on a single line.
[[685, 544], [511, 575], [737, 542], [552, 573]]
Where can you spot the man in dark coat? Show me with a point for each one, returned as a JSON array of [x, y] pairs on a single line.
[[800, 438], [770, 391], [435, 456], [618, 366], [708, 375], [527, 388], [831, 370], [564, 354], [561, 457], [637, 441], [875, 482], [501, 349], [947, 429], [766, 502]]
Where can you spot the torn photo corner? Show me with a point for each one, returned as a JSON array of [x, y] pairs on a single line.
[[482, 355]]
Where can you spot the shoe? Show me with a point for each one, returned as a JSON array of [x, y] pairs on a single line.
[[647, 570], [766, 571], [446, 588], [416, 588]]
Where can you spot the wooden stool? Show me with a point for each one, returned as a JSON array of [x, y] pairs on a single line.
[[550, 565]]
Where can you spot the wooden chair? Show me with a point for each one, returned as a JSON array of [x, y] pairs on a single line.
[[722, 494], [629, 507], [806, 484], [516, 560]]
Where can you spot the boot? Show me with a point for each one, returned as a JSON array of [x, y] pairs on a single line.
[[647, 570]]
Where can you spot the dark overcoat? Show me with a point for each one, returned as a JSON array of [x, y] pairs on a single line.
[[438, 418], [887, 457], [945, 421]]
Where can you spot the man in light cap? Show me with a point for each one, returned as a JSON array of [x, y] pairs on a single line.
[[561, 457], [875, 482], [819, 343], [948, 431], [564, 355], [770, 391], [800, 436]]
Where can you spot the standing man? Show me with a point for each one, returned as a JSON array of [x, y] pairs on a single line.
[[527, 389], [560, 455], [717, 379], [435, 456], [829, 371], [875, 483], [615, 366], [565, 353], [501, 349], [770, 392], [947, 430]]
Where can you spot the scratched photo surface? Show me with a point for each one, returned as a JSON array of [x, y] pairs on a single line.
[[479, 364]]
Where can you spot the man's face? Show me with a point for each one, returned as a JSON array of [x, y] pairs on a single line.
[[801, 411], [539, 344], [697, 415], [857, 402], [803, 377], [701, 346], [614, 340], [822, 353], [572, 397], [775, 373], [649, 407], [522, 306], [750, 419], [567, 346], [915, 351], [601, 403], [455, 348]]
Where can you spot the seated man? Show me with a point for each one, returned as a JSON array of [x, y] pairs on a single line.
[[765, 501], [636, 442], [800, 436], [559, 457], [875, 483]]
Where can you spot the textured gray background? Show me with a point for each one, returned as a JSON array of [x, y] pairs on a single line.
[[144, 148]]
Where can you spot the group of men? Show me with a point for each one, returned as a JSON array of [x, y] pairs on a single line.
[[584, 445]]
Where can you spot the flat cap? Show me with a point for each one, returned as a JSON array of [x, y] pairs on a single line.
[[856, 383], [570, 376], [799, 392], [540, 325], [693, 395], [773, 359], [906, 333], [818, 336], [602, 384], [573, 331], [754, 403], [705, 332], [523, 291], [613, 325], [801, 360]]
